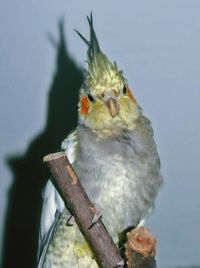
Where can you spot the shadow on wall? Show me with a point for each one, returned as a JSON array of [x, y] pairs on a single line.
[[30, 174]]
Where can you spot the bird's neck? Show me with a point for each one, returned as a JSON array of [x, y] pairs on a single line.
[[115, 132]]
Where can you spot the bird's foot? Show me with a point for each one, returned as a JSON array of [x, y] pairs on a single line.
[[70, 221], [97, 215], [120, 264]]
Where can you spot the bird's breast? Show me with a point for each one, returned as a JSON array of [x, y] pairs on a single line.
[[120, 176], [109, 177]]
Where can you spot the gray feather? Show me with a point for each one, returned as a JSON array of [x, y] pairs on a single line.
[[47, 240]]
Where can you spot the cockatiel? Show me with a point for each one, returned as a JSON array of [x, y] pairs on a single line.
[[113, 152]]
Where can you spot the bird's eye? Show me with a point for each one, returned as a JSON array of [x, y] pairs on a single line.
[[91, 98], [124, 89]]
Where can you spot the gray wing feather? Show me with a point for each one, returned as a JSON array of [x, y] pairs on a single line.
[[46, 241]]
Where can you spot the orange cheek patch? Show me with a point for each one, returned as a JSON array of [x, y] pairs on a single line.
[[84, 105], [129, 94]]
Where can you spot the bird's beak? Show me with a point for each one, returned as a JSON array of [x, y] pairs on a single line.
[[113, 106]]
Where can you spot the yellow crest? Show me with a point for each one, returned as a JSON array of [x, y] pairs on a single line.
[[101, 73]]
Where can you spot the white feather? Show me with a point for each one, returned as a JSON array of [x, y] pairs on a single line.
[[51, 203]]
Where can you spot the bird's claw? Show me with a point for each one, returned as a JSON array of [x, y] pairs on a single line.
[[120, 264], [70, 221], [97, 215]]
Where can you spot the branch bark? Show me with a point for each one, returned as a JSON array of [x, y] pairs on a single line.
[[140, 249], [96, 235]]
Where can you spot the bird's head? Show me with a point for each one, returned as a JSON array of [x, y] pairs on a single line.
[[106, 104]]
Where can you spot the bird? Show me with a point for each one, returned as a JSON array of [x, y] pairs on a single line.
[[114, 154]]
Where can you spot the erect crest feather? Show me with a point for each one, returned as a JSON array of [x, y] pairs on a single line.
[[101, 73]]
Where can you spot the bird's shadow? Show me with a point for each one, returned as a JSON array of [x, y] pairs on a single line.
[[29, 172]]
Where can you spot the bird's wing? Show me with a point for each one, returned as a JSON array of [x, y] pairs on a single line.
[[46, 241], [53, 204]]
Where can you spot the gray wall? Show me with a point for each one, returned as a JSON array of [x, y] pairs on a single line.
[[156, 43]]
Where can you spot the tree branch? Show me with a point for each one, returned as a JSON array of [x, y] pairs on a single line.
[[140, 249], [96, 235]]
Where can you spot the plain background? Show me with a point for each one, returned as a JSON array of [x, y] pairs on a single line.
[[157, 45]]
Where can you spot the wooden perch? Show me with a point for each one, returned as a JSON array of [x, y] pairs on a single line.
[[140, 249], [96, 235]]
